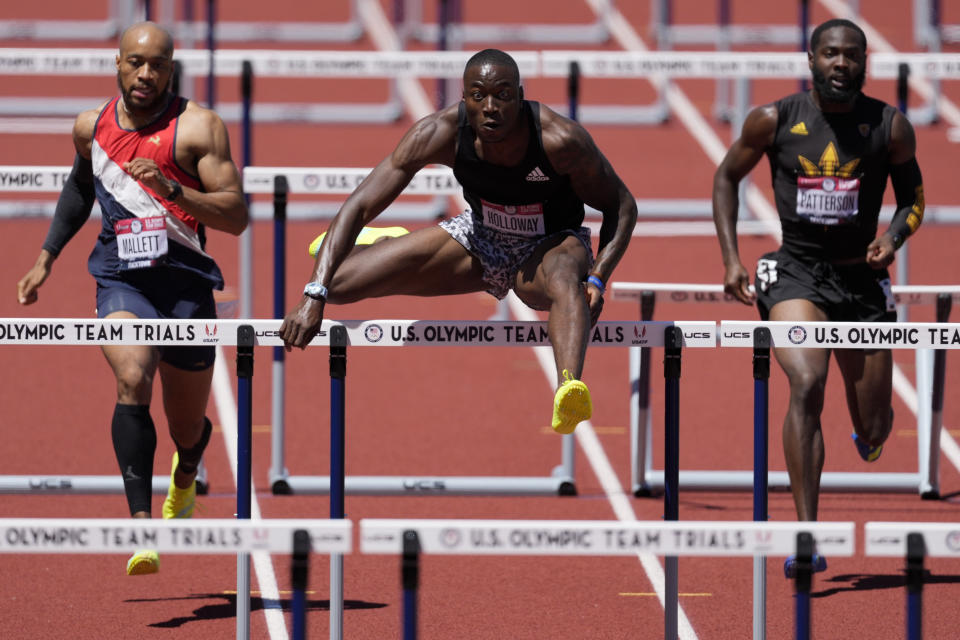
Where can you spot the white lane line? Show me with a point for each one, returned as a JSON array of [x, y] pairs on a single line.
[[950, 112], [262, 565]]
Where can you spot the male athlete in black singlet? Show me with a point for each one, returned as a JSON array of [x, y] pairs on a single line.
[[526, 172], [830, 153]]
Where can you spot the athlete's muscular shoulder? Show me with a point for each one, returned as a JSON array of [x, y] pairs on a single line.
[[431, 140], [760, 127], [199, 131], [566, 143], [83, 129]]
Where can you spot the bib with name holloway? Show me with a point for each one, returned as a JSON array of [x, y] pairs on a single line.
[[140, 229], [530, 199], [829, 172]]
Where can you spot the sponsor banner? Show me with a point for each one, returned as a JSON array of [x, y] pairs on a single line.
[[585, 537], [678, 292], [927, 65], [36, 179], [343, 181], [54, 535], [940, 539], [846, 335], [679, 64], [370, 333]]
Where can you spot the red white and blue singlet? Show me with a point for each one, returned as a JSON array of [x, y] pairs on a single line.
[[141, 230]]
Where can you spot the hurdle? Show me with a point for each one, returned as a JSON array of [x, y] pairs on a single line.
[[913, 541], [423, 333], [297, 538], [925, 481], [411, 538]]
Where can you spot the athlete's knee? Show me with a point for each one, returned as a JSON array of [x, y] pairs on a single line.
[[807, 386], [134, 382]]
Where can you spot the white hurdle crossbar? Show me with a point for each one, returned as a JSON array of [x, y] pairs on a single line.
[[926, 481], [369, 333]]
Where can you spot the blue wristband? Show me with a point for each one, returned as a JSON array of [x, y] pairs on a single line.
[[597, 282]]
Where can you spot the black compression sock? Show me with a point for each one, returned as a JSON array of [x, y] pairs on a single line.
[[135, 442], [190, 458]]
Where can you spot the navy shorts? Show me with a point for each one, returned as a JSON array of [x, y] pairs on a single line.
[[846, 293], [165, 295]]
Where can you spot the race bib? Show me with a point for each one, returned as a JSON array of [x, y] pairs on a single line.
[[828, 200], [141, 242], [521, 220]]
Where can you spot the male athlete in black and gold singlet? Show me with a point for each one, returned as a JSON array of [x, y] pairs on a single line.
[[831, 150]]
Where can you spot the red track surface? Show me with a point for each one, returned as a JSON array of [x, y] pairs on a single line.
[[464, 412]]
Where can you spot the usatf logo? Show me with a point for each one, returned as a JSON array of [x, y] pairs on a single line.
[[450, 538], [373, 333], [953, 540], [211, 332], [797, 335], [136, 226], [311, 181], [641, 332], [679, 296]]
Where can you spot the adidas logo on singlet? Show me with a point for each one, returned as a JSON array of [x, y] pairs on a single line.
[[537, 176], [800, 129]]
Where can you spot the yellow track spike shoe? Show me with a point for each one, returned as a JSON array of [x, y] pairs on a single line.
[[143, 562], [368, 235], [179, 503], [571, 404]]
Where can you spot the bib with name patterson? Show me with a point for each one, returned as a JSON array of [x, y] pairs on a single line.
[[828, 200]]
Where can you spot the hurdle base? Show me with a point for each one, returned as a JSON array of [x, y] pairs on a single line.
[[930, 495], [58, 485], [779, 480], [437, 485]]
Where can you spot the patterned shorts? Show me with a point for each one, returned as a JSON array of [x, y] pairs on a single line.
[[501, 255]]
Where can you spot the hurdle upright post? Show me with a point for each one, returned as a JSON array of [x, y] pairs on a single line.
[[803, 583], [245, 342], [299, 570], [246, 238], [278, 470], [641, 443], [410, 578], [916, 550], [673, 339], [338, 374], [761, 378], [931, 483]]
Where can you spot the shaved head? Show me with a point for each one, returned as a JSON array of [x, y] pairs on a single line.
[[142, 33]]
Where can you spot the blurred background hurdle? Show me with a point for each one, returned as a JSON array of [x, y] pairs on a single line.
[[410, 538], [931, 369], [297, 538]]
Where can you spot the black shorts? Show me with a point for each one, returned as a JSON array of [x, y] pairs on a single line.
[[846, 293], [164, 294]]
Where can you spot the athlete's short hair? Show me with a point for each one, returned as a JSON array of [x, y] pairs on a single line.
[[830, 24], [493, 56]]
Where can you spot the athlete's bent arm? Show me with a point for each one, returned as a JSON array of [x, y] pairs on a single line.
[[908, 189], [595, 182], [431, 140], [202, 140], [744, 154]]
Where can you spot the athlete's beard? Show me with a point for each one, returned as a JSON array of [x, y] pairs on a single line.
[[159, 102], [829, 93]]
